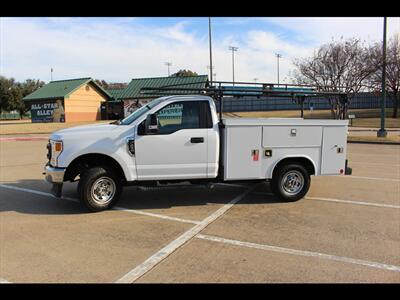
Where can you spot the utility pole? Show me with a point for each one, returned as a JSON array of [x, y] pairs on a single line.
[[168, 64], [233, 49], [211, 68], [278, 56], [382, 132], [209, 37]]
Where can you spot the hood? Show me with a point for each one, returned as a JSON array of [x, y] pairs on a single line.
[[89, 131]]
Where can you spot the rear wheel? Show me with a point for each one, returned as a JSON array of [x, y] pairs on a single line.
[[99, 188], [291, 182]]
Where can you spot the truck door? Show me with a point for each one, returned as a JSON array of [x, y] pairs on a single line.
[[179, 149]]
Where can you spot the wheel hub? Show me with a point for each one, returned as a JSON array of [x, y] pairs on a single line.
[[292, 182], [103, 190]]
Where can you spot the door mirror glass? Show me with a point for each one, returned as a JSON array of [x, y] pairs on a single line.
[[151, 124]]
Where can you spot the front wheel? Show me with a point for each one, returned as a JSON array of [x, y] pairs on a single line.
[[291, 182], [99, 189]]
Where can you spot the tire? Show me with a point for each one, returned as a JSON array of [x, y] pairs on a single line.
[[291, 182], [99, 189]]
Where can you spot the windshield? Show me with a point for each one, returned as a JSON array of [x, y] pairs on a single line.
[[139, 112]]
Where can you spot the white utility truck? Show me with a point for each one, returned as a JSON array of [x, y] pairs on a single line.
[[176, 139]]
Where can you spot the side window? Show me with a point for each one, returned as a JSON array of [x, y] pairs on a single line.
[[179, 115]]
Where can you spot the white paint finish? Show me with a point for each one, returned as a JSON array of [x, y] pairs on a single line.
[[280, 136], [213, 152], [106, 139], [242, 137], [333, 139], [353, 202], [238, 146], [278, 154], [172, 156], [162, 254], [283, 122], [114, 208], [301, 253]]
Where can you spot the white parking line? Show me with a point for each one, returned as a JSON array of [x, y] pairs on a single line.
[[372, 164], [339, 200], [162, 254], [2, 280], [114, 208], [368, 178], [353, 202], [139, 212], [374, 154], [301, 253]]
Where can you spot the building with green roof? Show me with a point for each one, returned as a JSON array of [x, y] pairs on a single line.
[[132, 97], [70, 100]]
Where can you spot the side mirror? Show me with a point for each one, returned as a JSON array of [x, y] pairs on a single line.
[[151, 124]]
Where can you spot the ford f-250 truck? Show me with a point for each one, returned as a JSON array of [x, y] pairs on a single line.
[[180, 138]]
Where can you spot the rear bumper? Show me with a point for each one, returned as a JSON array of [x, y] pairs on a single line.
[[54, 175], [347, 169]]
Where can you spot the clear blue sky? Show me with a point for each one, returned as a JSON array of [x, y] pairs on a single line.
[[118, 49]]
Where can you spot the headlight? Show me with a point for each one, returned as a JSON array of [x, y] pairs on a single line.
[[56, 149]]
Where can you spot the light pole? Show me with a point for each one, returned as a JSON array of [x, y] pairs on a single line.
[[51, 74], [255, 81], [233, 49], [211, 68], [278, 56], [215, 76], [382, 132], [209, 37], [168, 64]]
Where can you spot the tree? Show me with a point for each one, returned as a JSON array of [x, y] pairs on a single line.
[[5, 93], [12, 92], [24, 89], [9, 94], [184, 73], [335, 66], [392, 70], [102, 83], [112, 85]]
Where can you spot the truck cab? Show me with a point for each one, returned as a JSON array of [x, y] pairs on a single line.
[[181, 138]]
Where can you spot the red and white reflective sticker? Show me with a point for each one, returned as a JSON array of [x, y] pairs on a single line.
[[255, 154]]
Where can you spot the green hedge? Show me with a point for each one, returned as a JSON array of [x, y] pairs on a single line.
[[13, 116]]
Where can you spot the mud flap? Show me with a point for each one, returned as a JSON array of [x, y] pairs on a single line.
[[56, 189], [347, 170]]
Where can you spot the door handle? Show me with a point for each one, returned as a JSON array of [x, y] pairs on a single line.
[[195, 140]]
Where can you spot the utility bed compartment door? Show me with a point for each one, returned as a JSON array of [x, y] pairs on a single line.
[[334, 142], [239, 161], [291, 136]]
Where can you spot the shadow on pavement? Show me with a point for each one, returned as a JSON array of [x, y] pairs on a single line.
[[131, 198]]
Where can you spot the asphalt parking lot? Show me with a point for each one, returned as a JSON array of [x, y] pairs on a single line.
[[347, 229]]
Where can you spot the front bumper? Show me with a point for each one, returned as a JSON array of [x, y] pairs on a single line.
[[54, 175]]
